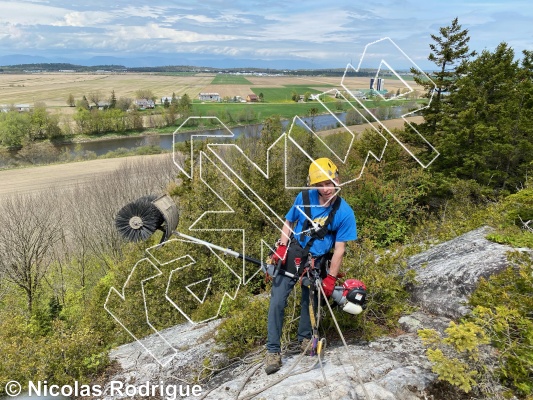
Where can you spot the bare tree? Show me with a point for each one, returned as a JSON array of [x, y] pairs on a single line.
[[96, 97], [145, 94], [31, 227], [92, 208], [124, 103], [72, 230]]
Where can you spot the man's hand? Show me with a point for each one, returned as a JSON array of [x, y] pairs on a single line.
[[268, 269], [279, 254], [328, 284]]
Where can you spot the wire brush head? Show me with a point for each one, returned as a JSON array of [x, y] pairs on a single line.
[[138, 220]]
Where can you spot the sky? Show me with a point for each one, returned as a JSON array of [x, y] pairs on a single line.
[[251, 33]]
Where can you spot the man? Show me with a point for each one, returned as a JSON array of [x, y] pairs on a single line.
[[324, 223]]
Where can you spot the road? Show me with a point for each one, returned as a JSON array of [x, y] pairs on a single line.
[[34, 179]]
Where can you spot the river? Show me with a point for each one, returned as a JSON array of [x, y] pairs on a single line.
[[165, 141]]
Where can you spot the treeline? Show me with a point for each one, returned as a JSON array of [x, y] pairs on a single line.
[[97, 114], [481, 115], [56, 67], [18, 129]]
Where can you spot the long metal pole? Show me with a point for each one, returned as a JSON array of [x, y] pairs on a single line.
[[222, 249]]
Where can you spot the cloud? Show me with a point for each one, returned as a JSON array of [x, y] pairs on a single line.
[[16, 13], [331, 33], [85, 19], [147, 12], [155, 31]]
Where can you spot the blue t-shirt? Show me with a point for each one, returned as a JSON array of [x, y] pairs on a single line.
[[343, 225]]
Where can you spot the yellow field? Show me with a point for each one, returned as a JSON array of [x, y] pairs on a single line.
[[54, 88]]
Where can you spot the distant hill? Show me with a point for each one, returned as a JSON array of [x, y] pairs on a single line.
[[55, 67], [58, 67], [183, 62], [149, 61]]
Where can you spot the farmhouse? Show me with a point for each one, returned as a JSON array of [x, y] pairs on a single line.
[[358, 95], [144, 103], [252, 98], [15, 107], [209, 97], [169, 99], [101, 105]]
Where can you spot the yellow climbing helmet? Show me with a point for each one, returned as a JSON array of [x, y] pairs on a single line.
[[320, 170]]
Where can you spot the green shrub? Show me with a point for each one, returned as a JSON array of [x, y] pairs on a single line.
[[514, 213], [245, 328], [388, 199], [501, 317], [61, 357], [504, 308], [387, 280]]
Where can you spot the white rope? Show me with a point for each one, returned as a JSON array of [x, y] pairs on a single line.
[[318, 361], [360, 380], [281, 378]]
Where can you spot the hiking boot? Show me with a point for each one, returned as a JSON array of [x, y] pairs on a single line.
[[272, 363], [306, 346]]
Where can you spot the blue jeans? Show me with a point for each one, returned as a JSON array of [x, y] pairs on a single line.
[[281, 288]]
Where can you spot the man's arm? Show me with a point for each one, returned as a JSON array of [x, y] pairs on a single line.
[[328, 283], [286, 232], [336, 260], [280, 252]]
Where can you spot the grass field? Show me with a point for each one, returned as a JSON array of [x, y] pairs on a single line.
[[284, 94], [230, 79], [285, 109], [259, 110], [53, 89]]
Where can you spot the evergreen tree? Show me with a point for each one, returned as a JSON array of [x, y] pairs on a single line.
[[113, 100], [450, 53], [487, 133], [83, 103]]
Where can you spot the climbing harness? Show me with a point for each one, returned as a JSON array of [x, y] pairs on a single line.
[[298, 257]]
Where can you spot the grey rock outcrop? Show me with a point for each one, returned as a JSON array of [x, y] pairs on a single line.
[[149, 359], [448, 273], [388, 368]]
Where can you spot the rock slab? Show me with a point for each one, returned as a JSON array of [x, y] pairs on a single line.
[[449, 272]]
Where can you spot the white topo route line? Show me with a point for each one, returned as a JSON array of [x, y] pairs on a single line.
[[198, 290]]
